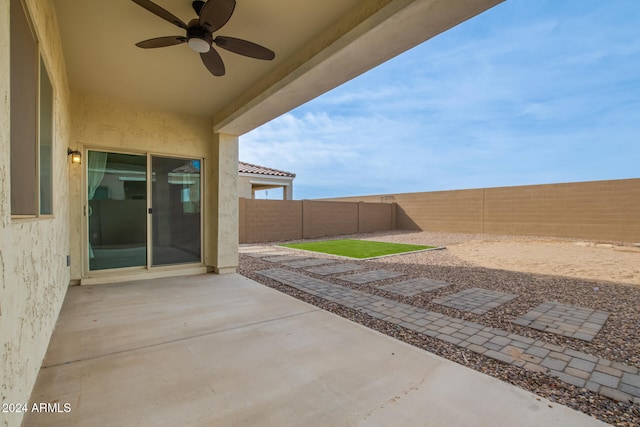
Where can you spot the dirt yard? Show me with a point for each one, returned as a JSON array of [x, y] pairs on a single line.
[[613, 262], [584, 260]]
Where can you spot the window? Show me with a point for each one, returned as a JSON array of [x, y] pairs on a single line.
[[45, 142], [31, 124]]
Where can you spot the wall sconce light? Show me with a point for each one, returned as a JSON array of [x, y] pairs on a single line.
[[76, 157]]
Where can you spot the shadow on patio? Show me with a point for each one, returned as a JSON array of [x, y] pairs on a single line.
[[224, 350]]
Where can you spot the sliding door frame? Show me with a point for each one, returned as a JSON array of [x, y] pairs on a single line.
[[86, 271]]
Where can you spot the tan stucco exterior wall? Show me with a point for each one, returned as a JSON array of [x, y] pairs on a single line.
[[101, 123], [33, 272], [244, 187], [248, 183], [221, 253]]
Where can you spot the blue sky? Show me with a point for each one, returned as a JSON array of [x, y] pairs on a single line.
[[530, 92]]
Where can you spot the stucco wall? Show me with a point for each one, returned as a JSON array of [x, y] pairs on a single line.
[[282, 187], [221, 252], [281, 220], [101, 123], [599, 210], [244, 187], [33, 272]]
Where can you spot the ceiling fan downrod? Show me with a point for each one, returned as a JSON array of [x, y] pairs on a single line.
[[197, 6]]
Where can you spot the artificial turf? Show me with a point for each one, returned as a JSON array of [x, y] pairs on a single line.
[[357, 248]]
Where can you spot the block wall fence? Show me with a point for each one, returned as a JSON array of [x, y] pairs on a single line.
[[597, 210], [281, 220]]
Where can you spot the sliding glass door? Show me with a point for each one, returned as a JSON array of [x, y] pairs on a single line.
[[116, 210], [175, 218], [122, 207]]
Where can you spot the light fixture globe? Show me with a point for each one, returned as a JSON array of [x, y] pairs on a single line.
[[199, 45]]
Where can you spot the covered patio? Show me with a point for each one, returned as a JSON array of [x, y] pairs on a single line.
[[227, 351], [155, 193]]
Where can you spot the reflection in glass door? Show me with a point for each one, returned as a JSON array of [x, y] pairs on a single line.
[[116, 210], [175, 218]]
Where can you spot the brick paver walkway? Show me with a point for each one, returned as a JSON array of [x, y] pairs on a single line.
[[370, 276], [568, 320], [414, 287], [475, 300], [334, 269], [310, 262], [614, 380]]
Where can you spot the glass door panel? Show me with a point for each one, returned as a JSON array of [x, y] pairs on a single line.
[[175, 218], [116, 210]]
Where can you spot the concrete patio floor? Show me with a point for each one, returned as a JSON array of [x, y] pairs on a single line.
[[226, 351]]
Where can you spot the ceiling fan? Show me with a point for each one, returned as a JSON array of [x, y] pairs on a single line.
[[212, 16]]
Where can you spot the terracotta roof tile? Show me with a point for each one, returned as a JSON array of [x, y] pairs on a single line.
[[261, 170]]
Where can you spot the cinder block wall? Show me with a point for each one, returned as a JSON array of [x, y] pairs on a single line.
[[376, 217], [456, 211], [281, 220], [269, 220], [328, 218], [601, 210], [598, 210]]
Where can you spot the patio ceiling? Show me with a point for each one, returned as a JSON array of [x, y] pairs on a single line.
[[318, 45]]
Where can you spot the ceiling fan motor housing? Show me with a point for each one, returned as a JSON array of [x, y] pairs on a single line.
[[198, 38]]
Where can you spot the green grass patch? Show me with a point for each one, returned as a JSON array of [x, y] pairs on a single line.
[[357, 248]]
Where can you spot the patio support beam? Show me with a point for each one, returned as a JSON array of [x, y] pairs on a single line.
[[221, 210], [369, 35]]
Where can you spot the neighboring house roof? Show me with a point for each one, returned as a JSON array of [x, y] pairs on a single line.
[[261, 170]]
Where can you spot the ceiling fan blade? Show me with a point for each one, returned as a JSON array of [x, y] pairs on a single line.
[[215, 13], [161, 42], [162, 13], [213, 62], [244, 47]]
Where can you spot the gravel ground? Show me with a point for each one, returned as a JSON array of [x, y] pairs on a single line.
[[618, 340]]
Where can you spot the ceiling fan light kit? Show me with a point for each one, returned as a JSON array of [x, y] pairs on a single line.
[[212, 16], [199, 45], [198, 38]]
